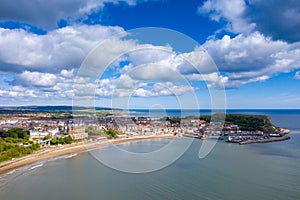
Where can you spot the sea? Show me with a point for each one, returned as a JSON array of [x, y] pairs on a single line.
[[229, 171]]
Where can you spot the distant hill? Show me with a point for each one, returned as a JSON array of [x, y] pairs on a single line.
[[245, 122]]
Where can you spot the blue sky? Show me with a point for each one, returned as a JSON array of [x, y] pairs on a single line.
[[44, 43]]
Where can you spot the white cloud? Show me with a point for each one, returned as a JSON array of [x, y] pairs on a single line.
[[162, 89], [151, 54], [242, 16], [46, 63], [169, 88], [213, 79], [126, 86], [197, 61], [141, 92], [155, 71], [36, 79], [126, 82], [248, 52], [61, 86], [109, 52], [253, 57], [39, 86], [18, 91], [67, 73], [231, 11], [59, 49]]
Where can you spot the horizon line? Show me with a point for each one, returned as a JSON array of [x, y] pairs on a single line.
[[18, 106]]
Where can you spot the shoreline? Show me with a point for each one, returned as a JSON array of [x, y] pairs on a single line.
[[85, 147], [69, 149]]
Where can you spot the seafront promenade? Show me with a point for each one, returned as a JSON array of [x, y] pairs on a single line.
[[69, 149]]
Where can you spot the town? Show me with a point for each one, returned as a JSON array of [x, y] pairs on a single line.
[[44, 129]]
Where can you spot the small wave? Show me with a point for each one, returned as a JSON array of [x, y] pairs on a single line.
[[12, 171], [55, 158], [70, 156], [36, 166]]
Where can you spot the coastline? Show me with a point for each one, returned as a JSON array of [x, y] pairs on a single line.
[[69, 149], [84, 147]]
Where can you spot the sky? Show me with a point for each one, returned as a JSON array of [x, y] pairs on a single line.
[[209, 53]]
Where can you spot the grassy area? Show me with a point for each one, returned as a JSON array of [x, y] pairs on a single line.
[[245, 122], [14, 143], [15, 148]]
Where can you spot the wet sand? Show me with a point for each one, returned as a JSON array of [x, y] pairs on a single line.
[[68, 149]]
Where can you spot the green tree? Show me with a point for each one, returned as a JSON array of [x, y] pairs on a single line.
[[111, 133], [17, 133], [9, 140], [1, 147], [47, 137], [53, 141], [61, 140], [68, 139], [35, 146], [10, 134]]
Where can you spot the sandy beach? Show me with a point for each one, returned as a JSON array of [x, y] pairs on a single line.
[[68, 149]]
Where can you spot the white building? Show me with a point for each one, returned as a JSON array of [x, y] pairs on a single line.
[[38, 134]]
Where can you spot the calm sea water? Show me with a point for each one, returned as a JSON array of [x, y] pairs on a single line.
[[231, 171]]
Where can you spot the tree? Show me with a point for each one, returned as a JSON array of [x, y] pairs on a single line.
[[111, 133], [61, 140], [68, 139], [16, 133], [1, 147], [47, 137], [53, 141]]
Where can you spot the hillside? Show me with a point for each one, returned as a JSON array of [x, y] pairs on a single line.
[[245, 122]]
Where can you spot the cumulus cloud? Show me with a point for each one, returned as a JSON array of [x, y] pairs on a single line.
[[241, 16], [126, 81], [196, 61], [230, 11], [251, 58], [243, 53], [35, 79], [260, 49], [46, 14], [40, 85], [163, 89], [151, 54], [48, 62], [155, 71], [63, 48], [109, 53], [125, 86], [18, 95], [18, 91], [213, 79], [169, 88], [67, 73]]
